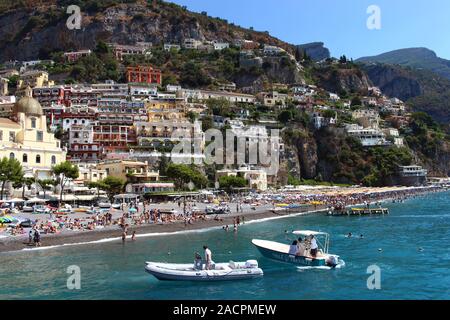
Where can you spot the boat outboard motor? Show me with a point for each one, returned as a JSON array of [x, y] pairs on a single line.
[[251, 264], [332, 261]]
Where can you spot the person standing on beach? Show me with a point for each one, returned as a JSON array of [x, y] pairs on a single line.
[[133, 237], [30, 236], [37, 238]]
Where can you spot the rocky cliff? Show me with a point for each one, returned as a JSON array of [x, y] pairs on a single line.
[[315, 50], [30, 31], [340, 79]]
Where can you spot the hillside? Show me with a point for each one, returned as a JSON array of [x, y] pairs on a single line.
[[418, 58], [30, 29], [422, 90]]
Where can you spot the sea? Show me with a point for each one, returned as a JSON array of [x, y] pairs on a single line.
[[403, 255]]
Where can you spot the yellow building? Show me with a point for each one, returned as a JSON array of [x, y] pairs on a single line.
[[27, 139], [33, 79]]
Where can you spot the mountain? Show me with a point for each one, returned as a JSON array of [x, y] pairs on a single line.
[[315, 50], [29, 30], [418, 58]]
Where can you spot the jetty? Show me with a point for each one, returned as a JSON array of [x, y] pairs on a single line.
[[359, 212]]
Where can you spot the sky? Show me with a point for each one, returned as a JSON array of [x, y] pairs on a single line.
[[341, 24]]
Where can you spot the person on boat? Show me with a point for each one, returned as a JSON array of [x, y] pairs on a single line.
[[198, 261], [208, 258], [314, 246], [293, 249], [301, 247]]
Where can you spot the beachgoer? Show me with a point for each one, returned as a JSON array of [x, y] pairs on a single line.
[[301, 247], [293, 249], [208, 258], [37, 238], [133, 237], [30, 236]]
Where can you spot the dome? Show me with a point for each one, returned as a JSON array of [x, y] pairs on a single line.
[[29, 106]]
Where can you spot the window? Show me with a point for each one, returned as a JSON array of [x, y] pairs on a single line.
[[12, 136], [12, 156], [53, 159], [25, 158], [39, 136], [1, 135], [38, 159], [33, 123]]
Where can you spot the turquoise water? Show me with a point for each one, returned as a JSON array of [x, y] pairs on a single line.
[[116, 271]]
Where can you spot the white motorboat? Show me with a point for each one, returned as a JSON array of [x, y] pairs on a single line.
[[282, 252], [219, 272]]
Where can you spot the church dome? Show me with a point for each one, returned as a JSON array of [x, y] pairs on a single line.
[[29, 106]]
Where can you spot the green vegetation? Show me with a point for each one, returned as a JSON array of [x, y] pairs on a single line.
[[10, 171], [64, 172], [111, 185], [384, 165], [425, 136], [183, 174], [229, 183]]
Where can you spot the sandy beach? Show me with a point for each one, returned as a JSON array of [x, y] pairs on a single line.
[[251, 213]]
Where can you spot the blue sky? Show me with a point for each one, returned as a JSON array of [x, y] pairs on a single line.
[[341, 24]]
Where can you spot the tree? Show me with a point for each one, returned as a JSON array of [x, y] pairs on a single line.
[[112, 186], [46, 184], [10, 171], [285, 116], [229, 183], [24, 183], [65, 171], [192, 116], [207, 123], [356, 101], [183, 174], [163, 164]]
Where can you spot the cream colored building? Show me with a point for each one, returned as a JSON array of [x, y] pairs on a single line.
[[256, 178], [28, 140], [134, 171], [90, 173]]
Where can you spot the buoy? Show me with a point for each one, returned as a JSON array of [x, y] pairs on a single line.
[[380, 249], [168, 253], [421, 249]]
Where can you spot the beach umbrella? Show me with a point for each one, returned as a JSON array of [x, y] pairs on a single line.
[[11, 219], [133, 210]]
